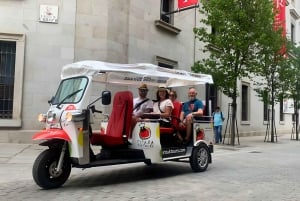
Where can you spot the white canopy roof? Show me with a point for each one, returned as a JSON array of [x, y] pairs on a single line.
[[134, 74]]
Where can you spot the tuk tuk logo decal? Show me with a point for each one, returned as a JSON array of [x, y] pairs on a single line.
[[173, 151], [145, 140], [145, 132], [145, 143]]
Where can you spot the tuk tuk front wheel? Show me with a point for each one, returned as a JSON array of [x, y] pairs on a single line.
[[44, 170], [200, 158]]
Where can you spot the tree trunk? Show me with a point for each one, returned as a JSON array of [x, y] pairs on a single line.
[[296, 109], [233, 128], [296, 118], [272, 122], [272, 102]]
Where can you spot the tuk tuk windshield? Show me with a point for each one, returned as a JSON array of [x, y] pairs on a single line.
[[70, 90]]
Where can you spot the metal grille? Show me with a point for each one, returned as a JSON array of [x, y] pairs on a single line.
[[7, 77]]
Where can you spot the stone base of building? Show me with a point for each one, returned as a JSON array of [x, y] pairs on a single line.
[[14, 136]]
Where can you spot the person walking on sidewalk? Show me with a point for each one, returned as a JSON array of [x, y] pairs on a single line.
[[217, 120]]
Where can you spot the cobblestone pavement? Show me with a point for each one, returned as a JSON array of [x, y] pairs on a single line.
[[252, 171]]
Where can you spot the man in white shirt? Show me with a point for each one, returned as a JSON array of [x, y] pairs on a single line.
[[142, 104]]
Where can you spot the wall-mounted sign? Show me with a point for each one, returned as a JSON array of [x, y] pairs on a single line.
[[49, 13], [288, 106]]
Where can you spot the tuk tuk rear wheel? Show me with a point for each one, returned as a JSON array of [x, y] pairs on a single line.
[[44, 169], [200, 158]]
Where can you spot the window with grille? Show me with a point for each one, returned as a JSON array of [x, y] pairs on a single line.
[[166, 7], [12, 54], [165, 62], [266, 107], [245, 102], [281, 114], [7, 77]]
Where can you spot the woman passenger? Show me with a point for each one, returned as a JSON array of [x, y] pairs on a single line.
[[163, 106]]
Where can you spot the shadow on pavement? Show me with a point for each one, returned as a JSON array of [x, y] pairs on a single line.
[[125, 174]]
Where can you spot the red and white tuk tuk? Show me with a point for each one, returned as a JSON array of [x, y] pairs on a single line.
[[71, 136]]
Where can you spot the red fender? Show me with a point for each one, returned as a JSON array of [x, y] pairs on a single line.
[[51, 133]]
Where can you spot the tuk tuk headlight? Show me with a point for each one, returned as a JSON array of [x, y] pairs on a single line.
[[51, 117], [69, 116], [42, 117]]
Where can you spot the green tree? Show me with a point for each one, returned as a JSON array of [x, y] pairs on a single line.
[[293, 84], [272, 83], [274, 67], [232, 42]]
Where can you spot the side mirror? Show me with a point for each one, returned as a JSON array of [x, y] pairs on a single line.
[[51, 100], [106, 97]]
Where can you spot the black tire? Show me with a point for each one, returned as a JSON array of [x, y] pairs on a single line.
[[44, 173], [200, 158], [148, 162]]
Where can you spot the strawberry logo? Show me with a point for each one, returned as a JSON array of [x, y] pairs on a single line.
[[145, 132]]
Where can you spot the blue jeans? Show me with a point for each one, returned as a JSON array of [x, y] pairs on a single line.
[[218, 134]]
